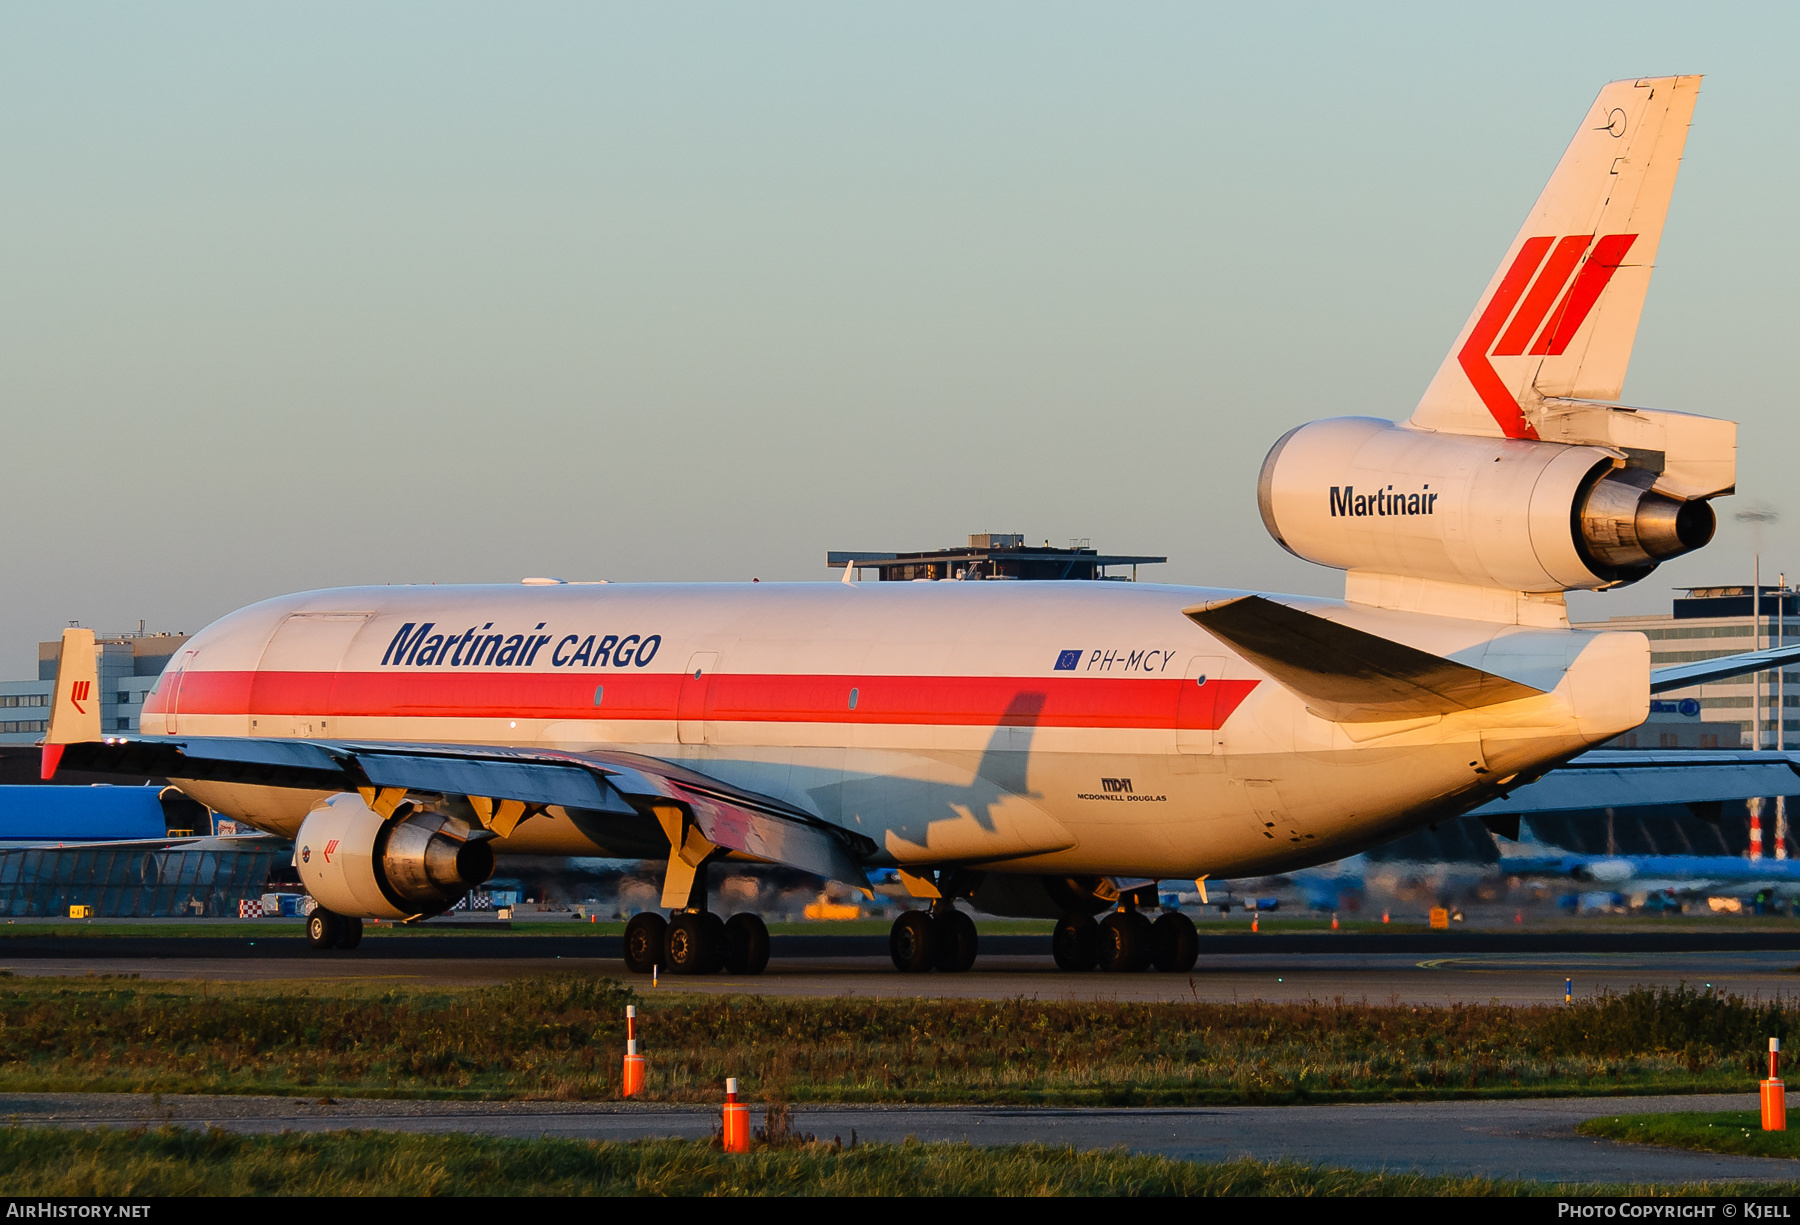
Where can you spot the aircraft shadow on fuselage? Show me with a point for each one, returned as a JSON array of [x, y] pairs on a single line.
[[871, 804], [910, 807]]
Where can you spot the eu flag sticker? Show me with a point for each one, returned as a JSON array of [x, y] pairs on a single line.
[[1067, 660]]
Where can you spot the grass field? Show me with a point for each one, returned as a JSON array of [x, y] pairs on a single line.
[[171, 1161], [1723, 1131], [562, 1037]]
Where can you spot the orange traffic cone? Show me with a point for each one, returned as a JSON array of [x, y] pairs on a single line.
[[1333, 922], [1253, 922], [633, 1078], [737, 1120]]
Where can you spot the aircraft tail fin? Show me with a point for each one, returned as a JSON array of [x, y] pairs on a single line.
[[1560, 315], [75, 704]]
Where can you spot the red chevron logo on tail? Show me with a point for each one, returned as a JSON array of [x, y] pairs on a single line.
[[1538, 274]]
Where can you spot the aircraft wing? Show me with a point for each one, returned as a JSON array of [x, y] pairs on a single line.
[[1681, 676], [1634, 777], [503, 785]]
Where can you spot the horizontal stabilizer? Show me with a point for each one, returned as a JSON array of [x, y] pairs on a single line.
[[1345, 674], [1682, 676]]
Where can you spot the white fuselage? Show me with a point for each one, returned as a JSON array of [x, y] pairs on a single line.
[[1034, 727]]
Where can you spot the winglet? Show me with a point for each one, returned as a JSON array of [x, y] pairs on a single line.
[[75, 708]]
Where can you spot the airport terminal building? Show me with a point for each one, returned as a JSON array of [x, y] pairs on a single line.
[[1707, 623]]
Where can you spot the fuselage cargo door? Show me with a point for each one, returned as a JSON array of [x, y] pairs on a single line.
[[690, 704], [170, 681], [1196, 720], [291, 694]]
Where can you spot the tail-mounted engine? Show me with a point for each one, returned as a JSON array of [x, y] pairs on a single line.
[[1364, 494], [416, 862]]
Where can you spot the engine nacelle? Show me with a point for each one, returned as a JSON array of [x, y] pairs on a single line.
[[1359, 493], [417, 862]]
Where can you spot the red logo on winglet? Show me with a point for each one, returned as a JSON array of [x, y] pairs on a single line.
[[78, 693], [1534, 308]]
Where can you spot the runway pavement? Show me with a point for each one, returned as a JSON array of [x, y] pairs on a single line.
[[1513, 978], [1533, 1140]]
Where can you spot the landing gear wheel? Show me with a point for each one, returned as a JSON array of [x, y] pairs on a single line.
[[1174, 944], [1076, 942], [1124, 942], [746, 944], [323, 928], [691, 946], [955, 940], [910, 943], [644, 942], [716, 946], [351, 935]]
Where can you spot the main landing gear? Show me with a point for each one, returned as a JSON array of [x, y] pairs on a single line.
[[692, 940], [942, 938], [1125, 940], [696, 942]]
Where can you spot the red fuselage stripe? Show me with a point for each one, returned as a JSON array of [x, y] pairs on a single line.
[[1099, 702]]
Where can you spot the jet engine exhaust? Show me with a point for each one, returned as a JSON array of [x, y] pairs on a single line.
[[1624, 525]]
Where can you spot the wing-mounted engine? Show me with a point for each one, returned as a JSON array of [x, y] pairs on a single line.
[[1523, 515], [417, 862]]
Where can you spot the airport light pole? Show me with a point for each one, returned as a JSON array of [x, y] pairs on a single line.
[[1756, 517], [1781, 599]]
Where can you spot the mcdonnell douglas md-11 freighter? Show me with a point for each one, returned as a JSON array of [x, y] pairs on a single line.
[[1036, 749]]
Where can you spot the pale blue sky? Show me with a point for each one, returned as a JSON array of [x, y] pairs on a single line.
[[308, 295]]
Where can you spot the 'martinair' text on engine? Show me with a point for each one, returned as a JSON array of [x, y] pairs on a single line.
[[1346, 501]]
